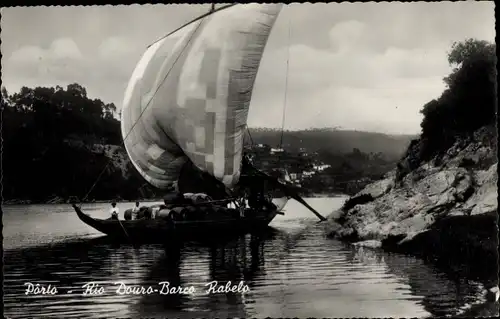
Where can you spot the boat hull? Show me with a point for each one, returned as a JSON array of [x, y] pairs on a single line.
[[164, 230]]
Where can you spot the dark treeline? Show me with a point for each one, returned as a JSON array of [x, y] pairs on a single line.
[[56, 142], [467, 104]]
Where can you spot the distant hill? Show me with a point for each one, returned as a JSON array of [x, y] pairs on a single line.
[[334, 141]]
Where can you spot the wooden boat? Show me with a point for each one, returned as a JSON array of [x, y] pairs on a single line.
[[226, 222], [184, 117]]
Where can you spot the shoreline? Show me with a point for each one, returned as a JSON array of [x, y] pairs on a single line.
[[455, 243], [12, 202], [61, 201]]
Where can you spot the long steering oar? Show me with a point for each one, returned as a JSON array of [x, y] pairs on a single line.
[[303, 202], [289, 191]]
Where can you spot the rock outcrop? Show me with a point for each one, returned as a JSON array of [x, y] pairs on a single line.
[[444, 209]]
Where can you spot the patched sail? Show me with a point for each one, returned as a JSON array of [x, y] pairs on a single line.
[[188, 98]]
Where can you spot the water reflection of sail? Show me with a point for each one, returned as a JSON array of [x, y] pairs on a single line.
[[166, 269], [188, 98], [238, 260], [239, 263]]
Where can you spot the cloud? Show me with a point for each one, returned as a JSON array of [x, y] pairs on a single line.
[[114, 48], [32, 65], [63, 63], [367, 66], [60, 49], [351, 88], [65, 48], [347, 34], [27, 54], [390, 108]]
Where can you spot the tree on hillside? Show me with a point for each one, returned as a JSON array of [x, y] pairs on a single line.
[[52, 145], [468, 51], [469, 100]]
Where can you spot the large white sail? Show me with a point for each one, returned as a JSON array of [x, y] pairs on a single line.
[[189, 95]]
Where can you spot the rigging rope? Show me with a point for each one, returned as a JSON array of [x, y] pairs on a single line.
[[250, 135], [286, 91], [147, 105]]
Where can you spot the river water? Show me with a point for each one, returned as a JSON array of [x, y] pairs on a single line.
[[293, 270]]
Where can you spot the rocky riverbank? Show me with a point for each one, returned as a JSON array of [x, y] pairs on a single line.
[[444, 210]]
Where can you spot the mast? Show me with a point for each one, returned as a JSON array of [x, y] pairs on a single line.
[[280, 146]]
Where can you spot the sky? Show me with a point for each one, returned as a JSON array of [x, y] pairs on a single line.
[[360, 66]]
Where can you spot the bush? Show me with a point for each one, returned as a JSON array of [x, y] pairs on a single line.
[[357, 200], [49, 135]]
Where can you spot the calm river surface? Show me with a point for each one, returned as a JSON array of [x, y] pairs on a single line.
[[292, 271]]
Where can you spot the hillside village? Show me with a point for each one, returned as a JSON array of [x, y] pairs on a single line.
[[299, 165], [304, 168]]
